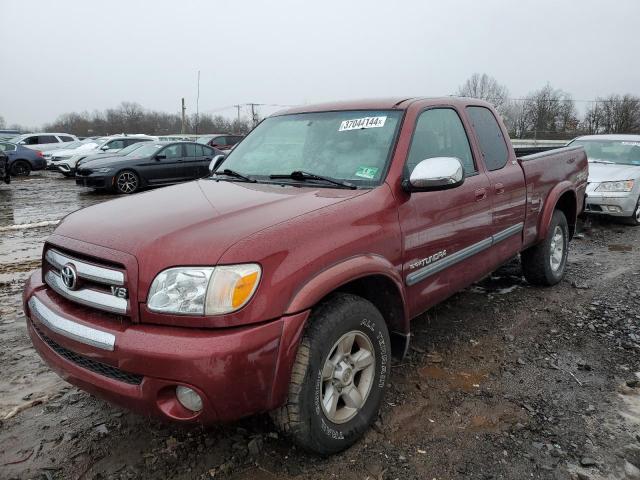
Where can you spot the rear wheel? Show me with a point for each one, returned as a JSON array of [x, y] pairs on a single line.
[[545, 263], [127, 182], [20, 168], [339, 376]]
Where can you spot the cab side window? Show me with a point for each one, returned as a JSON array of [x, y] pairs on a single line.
[[173, 151], [439, 133], [44, 139], [490, 138], [192, 150]]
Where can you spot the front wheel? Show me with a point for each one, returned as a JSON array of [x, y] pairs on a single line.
[[634, 219], [339, 376], [127, 182], [545, 263]]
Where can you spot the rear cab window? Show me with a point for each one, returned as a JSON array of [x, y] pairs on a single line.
[[492, 142]]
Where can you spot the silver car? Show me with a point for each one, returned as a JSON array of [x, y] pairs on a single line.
[[44, 141], [614, 175]]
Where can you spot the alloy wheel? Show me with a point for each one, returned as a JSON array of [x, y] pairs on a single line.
[[127, 182], [557, 249], [347, 376]]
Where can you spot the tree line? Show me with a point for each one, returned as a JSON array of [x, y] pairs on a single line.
[[130, 117], [551, 113], [547, 113]]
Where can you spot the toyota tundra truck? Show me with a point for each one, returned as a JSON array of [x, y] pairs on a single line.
[[286, 280]]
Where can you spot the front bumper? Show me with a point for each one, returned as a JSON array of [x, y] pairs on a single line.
[[236, 371], [94, 181], [617, 204]]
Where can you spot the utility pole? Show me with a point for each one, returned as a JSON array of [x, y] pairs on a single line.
[[198, 104], [238, 108], [254, 114], [184, 109]]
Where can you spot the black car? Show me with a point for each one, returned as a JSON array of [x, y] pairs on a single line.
[[4, 168], [155, 163]]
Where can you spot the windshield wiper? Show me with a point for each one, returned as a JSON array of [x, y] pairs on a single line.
[[303, 176], [232, 173], [600, 161]]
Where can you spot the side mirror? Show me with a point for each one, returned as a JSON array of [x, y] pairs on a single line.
[[23, 142], [161, 156], [104, 148], [216, 162], [433, 174]]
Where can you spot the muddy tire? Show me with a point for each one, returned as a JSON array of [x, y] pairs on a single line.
[[635, 218], [339, 376], [127, 182], [20, 168], [545, 264]]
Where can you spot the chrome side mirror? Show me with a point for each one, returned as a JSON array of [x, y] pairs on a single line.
[[437, 173], [216, 162]]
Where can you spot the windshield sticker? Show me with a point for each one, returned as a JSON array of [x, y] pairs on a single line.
[[633, 144], [358, 123], [367, 172]]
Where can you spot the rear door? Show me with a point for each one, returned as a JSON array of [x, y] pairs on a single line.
[[507, 185], [446, 234]]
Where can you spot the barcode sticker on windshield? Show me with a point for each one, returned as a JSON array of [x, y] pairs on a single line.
[[358, 123]]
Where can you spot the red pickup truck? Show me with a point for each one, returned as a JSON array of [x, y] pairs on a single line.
[[287, 279]]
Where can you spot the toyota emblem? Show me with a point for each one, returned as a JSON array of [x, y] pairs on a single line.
[[69, 276]]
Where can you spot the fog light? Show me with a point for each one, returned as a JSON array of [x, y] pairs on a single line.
[[188, 398], [614, 208]]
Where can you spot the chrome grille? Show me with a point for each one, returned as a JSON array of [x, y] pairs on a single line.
[[92, 286]]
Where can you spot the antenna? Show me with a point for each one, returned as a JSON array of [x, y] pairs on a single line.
[[197, 104]]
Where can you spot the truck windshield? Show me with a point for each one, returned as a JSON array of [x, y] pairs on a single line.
[[624, 152], [345, 145]]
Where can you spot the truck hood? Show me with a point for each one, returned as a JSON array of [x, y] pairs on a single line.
[[610, 172], [193, 223]]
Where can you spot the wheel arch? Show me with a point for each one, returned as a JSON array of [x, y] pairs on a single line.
[[371, 277], [562, 197]]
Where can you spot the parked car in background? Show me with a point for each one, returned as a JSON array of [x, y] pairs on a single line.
[[221, 141], [120, 153], [7, 134], [154, 164], [43, 141], [66, 164], [22, 160], [69, 147], [277, 283], [614, 175], [5, 176]]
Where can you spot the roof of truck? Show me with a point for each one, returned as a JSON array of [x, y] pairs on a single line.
[[390, 103]]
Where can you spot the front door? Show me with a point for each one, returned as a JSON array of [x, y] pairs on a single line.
[[446, 234], [166, 166]]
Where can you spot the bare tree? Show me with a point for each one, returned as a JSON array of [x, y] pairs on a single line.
[[2, 122], [486, 88], [549, 113]]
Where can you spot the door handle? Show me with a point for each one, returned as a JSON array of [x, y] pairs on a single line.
[[499, 188], [481, 194]]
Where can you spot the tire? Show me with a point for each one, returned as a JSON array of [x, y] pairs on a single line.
[[20, 168], [319, 373], [545, 264], [127, 182], [635, 218]]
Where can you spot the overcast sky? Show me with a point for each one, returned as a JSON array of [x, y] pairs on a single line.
[[67, 56]]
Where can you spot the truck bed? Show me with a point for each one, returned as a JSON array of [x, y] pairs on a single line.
[[542, 171]]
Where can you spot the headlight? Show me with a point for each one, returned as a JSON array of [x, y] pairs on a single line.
[[205, 290], [103, 170], [621, 186]]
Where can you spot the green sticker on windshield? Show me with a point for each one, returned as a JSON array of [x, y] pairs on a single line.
[[367, 172]]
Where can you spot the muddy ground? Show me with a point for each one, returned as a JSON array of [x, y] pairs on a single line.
[[503, 381]]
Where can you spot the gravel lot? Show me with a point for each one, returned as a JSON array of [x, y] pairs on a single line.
[[503, 381]]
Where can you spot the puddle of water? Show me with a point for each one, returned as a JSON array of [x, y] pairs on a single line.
[[614, 247], [465, 381]]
